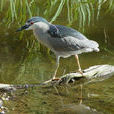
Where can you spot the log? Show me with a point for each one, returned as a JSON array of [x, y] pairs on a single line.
[[93, 72], [7, 87]]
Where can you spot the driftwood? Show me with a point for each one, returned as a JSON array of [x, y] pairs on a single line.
[[94, 72]]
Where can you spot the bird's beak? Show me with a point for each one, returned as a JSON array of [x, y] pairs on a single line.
[[26, 26]]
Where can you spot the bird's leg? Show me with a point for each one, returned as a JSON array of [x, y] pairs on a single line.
[[57, 66], [54, 76], [79, 67]]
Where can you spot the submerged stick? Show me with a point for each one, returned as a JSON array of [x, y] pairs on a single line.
[[93, 72]]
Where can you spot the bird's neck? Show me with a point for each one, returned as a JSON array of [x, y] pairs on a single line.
[[41, 36], [42, 27]]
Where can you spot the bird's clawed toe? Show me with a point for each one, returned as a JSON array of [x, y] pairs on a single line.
[[55, 79], [81, 72]]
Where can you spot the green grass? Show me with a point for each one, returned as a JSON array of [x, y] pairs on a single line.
[[82, 13]]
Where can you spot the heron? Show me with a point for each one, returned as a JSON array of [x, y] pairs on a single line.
[[62, 40]]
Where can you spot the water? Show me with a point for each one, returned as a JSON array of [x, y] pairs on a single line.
[[17, 66]]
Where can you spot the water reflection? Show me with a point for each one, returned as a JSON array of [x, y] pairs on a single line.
[[19, 66], [79, 109]]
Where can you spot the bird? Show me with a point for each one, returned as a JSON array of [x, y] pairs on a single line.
[[62, 40]]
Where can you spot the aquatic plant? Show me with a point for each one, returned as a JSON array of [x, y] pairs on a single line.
[[79, 12], [75, 10]]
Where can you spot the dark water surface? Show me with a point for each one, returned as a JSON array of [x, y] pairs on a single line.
[[19, 67]]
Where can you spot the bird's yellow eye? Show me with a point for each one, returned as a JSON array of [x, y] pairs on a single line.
[[31, 23]]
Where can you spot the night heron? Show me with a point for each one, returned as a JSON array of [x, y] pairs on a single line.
[[63, 41]]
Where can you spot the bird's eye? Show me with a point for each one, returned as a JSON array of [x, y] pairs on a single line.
[[31, 23]]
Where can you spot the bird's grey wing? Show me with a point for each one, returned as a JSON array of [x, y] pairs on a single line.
[[68, 39], [54, 31], [61, 31], [72, 44], [66, 44]]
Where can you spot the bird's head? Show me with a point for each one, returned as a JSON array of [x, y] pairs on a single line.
[[35, 22]]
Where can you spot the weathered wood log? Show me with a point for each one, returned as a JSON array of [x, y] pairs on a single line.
[[93, 72]]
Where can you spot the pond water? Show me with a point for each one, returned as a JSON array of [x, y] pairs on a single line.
[[17, 66]]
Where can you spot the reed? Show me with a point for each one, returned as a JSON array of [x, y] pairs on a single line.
[[76, 10], [81, 12]]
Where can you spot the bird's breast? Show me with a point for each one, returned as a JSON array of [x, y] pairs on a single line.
[[42, 37]]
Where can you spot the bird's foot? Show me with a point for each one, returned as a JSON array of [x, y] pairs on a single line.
[[52, 80], [55, 79], [81, 72]]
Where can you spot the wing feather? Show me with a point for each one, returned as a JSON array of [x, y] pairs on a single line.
[[67, 39]]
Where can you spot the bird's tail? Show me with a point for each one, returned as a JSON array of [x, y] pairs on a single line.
[[94, 45]]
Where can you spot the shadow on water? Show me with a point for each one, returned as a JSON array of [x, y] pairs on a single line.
[[24, 61]]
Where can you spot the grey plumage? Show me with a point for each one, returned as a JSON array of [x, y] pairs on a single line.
[[37, 19], [66, 31], [63, 41]]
